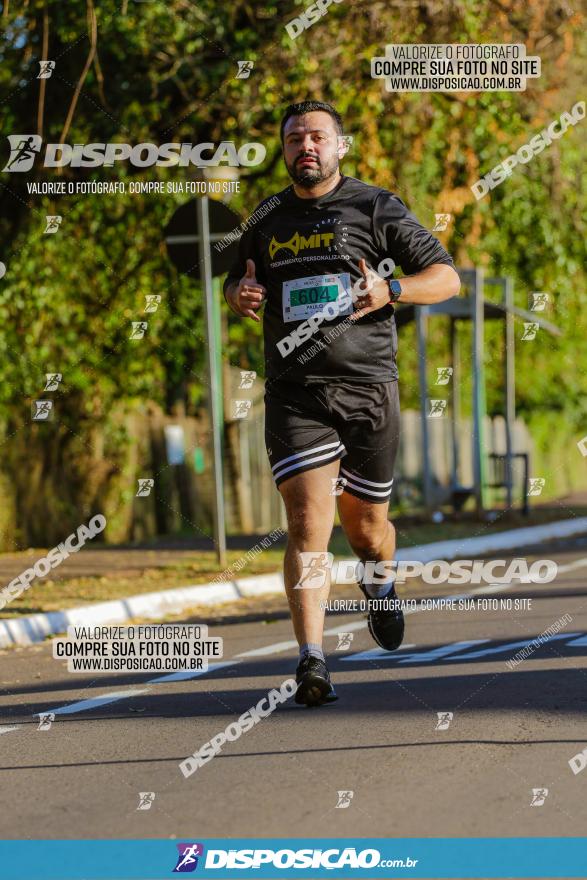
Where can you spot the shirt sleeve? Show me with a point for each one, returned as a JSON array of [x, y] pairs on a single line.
[[402, 237], [247, 250]]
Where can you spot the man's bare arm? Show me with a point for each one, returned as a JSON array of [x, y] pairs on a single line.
[[432, 285]]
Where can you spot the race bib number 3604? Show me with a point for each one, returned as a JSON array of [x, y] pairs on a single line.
[[304, 297]]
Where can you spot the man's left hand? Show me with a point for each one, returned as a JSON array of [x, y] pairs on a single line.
[[371, 293]]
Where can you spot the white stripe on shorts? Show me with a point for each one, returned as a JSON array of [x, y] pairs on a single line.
[[297, 455], [366, 482], [364, 491], [302, 461]]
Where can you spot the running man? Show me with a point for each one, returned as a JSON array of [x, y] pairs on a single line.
[[331, 390]]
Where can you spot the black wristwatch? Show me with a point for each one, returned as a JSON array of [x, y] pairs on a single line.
[[395, 290]]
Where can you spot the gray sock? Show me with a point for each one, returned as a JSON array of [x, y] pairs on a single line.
[[380, 591], [312, 650]]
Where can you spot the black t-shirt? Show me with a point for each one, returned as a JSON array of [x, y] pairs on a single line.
[[306, 253]]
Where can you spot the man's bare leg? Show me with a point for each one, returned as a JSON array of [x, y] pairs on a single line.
[[372, 537], [368, 530], [310, 508], [310, 512]]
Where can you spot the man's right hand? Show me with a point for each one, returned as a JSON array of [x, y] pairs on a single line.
[[248, 295]]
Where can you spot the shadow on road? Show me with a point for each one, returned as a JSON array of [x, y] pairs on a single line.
[[560, 690]]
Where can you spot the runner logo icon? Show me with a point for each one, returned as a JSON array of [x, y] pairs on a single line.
[[46, 68], [444, 719], [315, 568], [344, 641], [539, 795], [43, 410], [344, 799], [338, 484], [244, 69], [187, 859], [23, 150], [443, 375]]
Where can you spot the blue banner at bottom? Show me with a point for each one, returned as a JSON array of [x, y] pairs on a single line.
[[225, 859]]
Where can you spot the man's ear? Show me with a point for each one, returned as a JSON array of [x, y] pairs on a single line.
[[344, 143]]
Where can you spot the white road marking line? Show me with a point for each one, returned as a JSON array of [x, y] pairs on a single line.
[[443, 650], [347, 627], [509, 646], [95, 702], [490, 588], [426, 656], [581, 642], [183, 674], [8, 729], [377, 654], [104, 699], [570, 566], [276, 648], [280, 647]]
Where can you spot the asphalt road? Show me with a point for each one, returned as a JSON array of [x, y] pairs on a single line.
[[512, 731]]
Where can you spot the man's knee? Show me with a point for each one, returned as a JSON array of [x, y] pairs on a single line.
[[310, 512], [367, 538], [306, 527]]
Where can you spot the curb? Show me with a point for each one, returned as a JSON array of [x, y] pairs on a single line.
[[36, 627]]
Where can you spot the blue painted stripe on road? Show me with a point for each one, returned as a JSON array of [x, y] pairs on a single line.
[[509, 646]]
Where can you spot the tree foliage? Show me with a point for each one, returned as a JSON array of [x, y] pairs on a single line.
[[166, 71]]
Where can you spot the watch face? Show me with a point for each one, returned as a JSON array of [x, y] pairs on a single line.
[[394, 290]]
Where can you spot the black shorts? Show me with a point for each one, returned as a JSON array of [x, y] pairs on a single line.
[[308, 426]]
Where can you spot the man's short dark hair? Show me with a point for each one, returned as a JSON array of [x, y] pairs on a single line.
[[309, 107]]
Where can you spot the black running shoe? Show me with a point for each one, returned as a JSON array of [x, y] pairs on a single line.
[[313, 678], [386, 624]]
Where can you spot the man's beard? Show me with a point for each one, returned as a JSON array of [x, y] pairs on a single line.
[[308, 176]]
